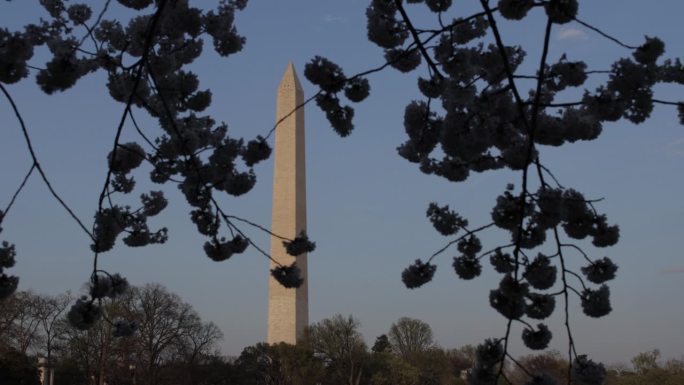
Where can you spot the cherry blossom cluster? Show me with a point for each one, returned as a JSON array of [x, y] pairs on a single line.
[[8, 283], [290, 276], [475, 117], [87, 311], [330, 78], [146, 61]]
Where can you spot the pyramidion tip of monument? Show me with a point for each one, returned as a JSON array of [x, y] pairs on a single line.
[[290, 79]]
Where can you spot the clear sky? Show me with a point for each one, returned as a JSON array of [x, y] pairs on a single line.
[[366, 208]]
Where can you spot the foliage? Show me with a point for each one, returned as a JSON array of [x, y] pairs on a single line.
[[382, 344], [331, 352], [647, 369], [461, 359], [389, 369], [68, 371], [16, 368], [277, 364], [550, 363], [643, 362]]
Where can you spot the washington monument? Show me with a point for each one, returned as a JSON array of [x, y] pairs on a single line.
[[288, 309]]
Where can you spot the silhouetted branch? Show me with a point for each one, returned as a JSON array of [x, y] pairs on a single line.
[[136, 81], [668, 103], [36, 163], [504, 57], [140, 132], [299, 106], [468, 233], [258, 227], [18, 191], [571, 343], [579, 277], [541, 168], [96, 23], [579, 249], [248, 239], [607, 36]]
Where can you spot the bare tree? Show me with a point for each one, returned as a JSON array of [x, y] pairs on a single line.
[[19, 324], [165, 323], [196, 343], [97, 351], [409, 336], [49, 311], [10, 307], [338, 341], [169, 333], [199, 339]]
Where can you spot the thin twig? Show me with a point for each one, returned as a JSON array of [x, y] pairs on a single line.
[[140, 132], [269, 232], [607, 36], [578, 249], [237, 229], [16, 193], [545, 169], [521, 366], [668, 103], [299, 106], [571, 343], [486, 253], [468, 233], [36, 163], [579, 277]]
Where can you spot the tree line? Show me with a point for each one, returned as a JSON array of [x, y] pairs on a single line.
[[169, 338], [173, 346]]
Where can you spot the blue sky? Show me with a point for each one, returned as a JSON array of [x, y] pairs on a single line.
[[366, 204]]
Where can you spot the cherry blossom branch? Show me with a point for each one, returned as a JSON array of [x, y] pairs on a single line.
[[356, 76], [136, 81], [578, 278], [468, 233], [416, 38], [531, 126], [507, 67], [96, 23], [230, 224]]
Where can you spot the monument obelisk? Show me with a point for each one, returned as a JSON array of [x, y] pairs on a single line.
[[288, 309]]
